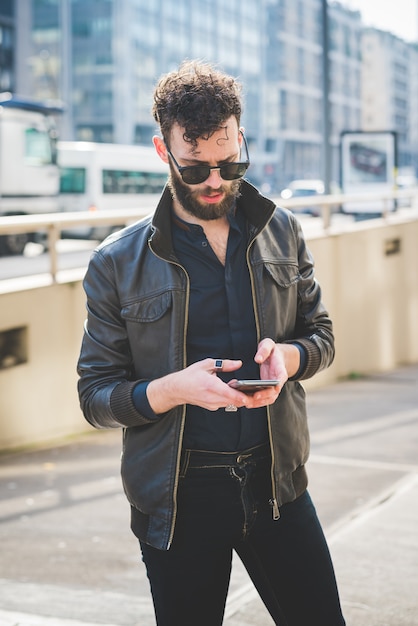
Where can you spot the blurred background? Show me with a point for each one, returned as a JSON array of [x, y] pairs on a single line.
[[311, 70], [330, 104]]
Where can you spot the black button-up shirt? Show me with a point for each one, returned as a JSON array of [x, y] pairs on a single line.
[[221, 325]]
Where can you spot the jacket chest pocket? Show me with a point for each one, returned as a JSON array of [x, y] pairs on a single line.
[[152, 335], [279, 300], [284, 275], [148, 310]]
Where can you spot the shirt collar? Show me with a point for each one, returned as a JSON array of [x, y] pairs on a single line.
[[232, 216]]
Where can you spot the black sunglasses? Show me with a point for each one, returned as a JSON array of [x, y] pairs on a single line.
[[195, 174]]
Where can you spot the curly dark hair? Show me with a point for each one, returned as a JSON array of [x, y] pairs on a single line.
[[198, 97]]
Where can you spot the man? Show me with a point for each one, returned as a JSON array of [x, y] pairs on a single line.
[[217, 284]]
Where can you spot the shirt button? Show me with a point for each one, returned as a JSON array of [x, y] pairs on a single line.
[[204, 244]]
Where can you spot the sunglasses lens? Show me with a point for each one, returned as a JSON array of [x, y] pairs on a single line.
[[233, 171], [195, 174]]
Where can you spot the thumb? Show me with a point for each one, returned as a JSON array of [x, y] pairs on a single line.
[[265, 348]]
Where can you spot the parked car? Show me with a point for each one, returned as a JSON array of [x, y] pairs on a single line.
[[301, 189], [405, 181]]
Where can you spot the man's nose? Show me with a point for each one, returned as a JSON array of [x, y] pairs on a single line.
[[215, 178]]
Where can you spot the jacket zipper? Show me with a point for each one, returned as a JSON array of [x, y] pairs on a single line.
[[176, 480], [273, 500], [183, 417]]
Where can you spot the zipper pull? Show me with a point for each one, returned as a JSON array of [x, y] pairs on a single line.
[[276, 511]]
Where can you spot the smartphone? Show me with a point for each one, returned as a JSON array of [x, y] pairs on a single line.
[[251, 386]]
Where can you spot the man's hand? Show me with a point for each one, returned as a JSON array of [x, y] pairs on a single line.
[[278, 361], [197, 384]]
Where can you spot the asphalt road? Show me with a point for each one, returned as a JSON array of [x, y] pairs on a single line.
[[68, 557]]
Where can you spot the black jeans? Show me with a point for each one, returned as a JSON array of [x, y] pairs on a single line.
[[224, 506]]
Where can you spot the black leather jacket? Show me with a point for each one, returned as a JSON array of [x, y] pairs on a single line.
[[137, 301]]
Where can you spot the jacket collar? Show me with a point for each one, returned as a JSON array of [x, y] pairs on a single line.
[[257, 209]]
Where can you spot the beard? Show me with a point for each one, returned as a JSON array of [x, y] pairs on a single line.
[[188, 197]]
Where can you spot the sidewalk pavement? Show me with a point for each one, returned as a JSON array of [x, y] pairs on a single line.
[[376, 560], [69, 559]]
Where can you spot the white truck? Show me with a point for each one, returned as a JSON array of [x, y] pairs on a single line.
[[29, 174], [98, 177]]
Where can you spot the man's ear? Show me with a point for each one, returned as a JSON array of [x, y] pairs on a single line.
[[160, 148]]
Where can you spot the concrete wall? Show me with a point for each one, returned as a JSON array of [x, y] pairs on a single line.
[[38, 400], [369, 278]]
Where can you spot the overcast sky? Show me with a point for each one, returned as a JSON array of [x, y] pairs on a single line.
[[397, 16]]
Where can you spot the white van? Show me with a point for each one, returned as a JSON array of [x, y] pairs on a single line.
[[100, 177]]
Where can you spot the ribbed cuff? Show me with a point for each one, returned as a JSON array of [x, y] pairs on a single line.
[[313, 359], [123, 407], [302, 363], [141, 402]]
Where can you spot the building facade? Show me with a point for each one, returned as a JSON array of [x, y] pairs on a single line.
[[390, 91], [7, 46], [294, 73], [102, 58], [114, 50]]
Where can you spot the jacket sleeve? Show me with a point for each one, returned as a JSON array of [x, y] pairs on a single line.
[[313, 327], [106, 378]]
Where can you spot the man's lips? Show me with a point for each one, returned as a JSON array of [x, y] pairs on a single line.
[[213, 197]]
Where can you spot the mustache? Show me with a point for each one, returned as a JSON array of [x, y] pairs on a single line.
[[208, 191]]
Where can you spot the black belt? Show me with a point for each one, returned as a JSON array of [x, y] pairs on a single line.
[[209, 458]]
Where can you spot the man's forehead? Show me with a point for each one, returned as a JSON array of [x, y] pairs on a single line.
[[225, 135]]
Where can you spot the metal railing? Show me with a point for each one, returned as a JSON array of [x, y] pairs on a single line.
[[54, 223], [332, 203]]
